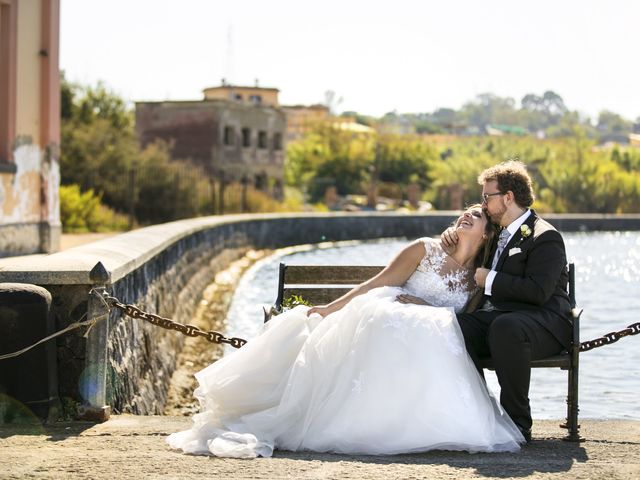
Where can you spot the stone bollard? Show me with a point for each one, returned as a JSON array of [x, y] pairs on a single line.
[[28, 382], [93, 387]]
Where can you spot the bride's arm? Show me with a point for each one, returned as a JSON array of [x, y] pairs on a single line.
[[394, 274]]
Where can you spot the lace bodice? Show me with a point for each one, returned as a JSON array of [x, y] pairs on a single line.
[[439, 279]]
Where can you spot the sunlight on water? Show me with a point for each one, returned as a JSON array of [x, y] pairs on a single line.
[[607, 287]]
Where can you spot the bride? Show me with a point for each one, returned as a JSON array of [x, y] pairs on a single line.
[[381, 370]]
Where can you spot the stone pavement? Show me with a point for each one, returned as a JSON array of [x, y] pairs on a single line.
[[134, 447]]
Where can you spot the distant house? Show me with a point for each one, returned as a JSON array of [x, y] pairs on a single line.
[[498, 130], [349, 124], [302, 118], [236, 133], [29, 126]]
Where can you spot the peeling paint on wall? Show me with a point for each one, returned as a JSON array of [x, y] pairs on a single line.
[[20, 192], [50, 186]]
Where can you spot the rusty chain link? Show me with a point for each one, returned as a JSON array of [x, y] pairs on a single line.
[[189, 330], [610, 338]]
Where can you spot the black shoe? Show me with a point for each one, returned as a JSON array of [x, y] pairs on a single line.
[[526, 433]]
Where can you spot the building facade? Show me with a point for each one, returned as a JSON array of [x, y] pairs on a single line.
[[29, 126], [302, 118], [232, 138]]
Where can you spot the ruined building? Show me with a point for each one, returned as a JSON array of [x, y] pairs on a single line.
[[29, 126], [235, 133]]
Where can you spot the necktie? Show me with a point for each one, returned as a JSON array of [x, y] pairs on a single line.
[[502, 242]]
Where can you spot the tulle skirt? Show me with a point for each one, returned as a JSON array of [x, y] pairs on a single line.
[[377, 377]]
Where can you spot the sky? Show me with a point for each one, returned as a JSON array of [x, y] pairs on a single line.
[[407, 56]]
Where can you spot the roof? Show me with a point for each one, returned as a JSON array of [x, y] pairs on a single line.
[[231, 87]]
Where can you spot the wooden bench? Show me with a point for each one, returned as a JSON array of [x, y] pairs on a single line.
[[320, 284]]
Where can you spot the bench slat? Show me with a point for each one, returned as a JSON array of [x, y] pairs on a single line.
[[562, 361], [330, 274]]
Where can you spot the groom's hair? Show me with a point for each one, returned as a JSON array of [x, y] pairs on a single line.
[[511, 176]]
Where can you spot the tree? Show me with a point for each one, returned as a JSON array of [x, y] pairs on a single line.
[[67, 94], [612, 126], [403, 159], [488, 108], [329, 156], [100, 153], [553, 104], [532, 102], [97, 141]]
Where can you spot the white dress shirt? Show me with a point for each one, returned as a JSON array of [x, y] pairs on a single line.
[[512, 228]]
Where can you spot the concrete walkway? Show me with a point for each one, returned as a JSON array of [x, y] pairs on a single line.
[[132, 447], [70, 240]]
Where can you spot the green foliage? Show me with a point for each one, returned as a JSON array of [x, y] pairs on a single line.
[[68, 409], [612, 127], [95, 155], [570, 174], [294, 301], [83, 212], [404, 159], [84, 104], [329, 156], [98, 142], [164, 190]]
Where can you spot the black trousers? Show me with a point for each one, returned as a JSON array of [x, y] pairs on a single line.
[[512, 340]]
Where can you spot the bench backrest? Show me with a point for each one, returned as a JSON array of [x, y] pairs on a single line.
[[320, 284]]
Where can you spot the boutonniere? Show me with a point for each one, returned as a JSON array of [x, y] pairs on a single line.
[[525, 231]]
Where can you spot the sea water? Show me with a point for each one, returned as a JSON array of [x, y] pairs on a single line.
[[607, 288]]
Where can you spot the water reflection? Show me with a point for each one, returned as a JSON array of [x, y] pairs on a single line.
[[607, 287]]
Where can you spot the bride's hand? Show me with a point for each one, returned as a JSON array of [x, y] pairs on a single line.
[[322, 310], [406, 298]]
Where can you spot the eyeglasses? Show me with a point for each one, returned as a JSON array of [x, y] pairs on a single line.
[[485, 196]]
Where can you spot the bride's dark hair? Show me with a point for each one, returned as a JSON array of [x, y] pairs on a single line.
[[490, 231]]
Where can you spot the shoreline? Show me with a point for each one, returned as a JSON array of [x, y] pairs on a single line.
[[210, 314]]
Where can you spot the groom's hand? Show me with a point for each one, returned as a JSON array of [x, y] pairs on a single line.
[[449, 239], [481, 276]]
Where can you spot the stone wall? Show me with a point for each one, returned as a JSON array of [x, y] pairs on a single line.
[[164, 268]]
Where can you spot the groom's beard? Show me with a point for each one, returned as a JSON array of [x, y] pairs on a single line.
[[496, 214]]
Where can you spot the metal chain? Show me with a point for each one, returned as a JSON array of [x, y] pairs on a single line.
[[217, 337], [189, 330], [610, 338]]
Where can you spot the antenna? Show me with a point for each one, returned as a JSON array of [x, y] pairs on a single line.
[[229, 73]]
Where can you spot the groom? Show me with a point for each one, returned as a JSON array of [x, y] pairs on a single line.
[[524, 312]]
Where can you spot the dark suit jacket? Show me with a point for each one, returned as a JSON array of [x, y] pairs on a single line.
[[535, 278]]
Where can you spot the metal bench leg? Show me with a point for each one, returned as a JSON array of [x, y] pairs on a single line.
[[572, 400]]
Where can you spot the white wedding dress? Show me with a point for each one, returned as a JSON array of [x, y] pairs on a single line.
[[376, 377]]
